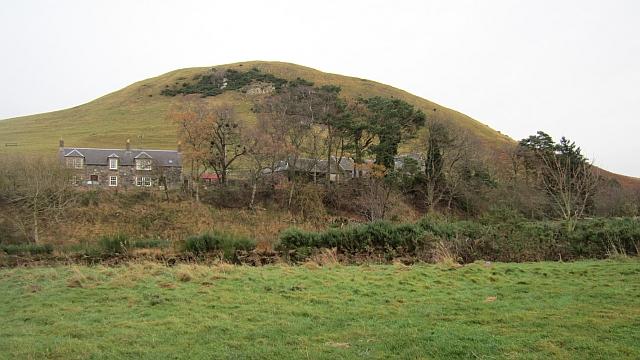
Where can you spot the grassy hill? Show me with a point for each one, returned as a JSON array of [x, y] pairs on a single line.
[[138, 112]]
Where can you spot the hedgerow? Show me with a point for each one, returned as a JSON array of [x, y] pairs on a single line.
[[353, 239], [471, 241], [225, 243], [21, 249]]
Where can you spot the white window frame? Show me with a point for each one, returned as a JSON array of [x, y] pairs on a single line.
[[143, 164], [144, 181], [113, 163], [113, 180], [75, 162]]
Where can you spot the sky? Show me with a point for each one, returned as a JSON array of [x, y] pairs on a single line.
[[569, 68]]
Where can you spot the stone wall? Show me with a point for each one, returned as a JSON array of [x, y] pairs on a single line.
[[127, 176]]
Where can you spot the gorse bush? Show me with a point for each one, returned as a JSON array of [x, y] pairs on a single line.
[[225, 243], [218, 82], [32, 249], [616, 236], [353, 239], [115, 244], [496, 241]]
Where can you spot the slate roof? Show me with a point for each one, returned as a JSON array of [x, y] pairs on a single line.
[[93, 156], [312, 165], [347, 164]]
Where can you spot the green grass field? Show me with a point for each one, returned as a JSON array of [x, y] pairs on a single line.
[[581, 310]]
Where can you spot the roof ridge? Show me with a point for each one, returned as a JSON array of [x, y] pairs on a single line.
[[88, 148]]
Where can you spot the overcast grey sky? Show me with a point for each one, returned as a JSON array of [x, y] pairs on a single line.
[[567, 67]]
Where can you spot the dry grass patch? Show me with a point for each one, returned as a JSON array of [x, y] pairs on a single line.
[[326, 257], [77, 279], [445, 256], [33, 288], [311, 265], [167, 285], [184, 275], [128, 276]]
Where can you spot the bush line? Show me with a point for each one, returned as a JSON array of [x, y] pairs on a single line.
[[471, 241]]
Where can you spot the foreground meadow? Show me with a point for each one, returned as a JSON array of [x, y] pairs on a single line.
[[587, 309]]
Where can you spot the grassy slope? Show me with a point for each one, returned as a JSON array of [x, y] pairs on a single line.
[[139, 109], [576, 310]]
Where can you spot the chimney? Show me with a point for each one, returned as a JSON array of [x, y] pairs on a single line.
[[61, 143], [128, 145], [179, 146]]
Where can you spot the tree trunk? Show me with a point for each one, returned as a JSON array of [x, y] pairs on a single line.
[[329, 143], [35, 226], [293, 184], [253, 194]]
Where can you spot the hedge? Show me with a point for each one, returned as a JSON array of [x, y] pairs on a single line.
[[473, 240]]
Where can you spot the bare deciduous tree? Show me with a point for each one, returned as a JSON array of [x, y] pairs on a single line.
[[285, 114], [193, 120], [447, 151], [570, 186], [212, 136], [376, 195], [225, 141], [38, 189], [267, 147], [568, 179]]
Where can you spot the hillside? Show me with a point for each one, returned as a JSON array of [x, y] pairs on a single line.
[[139, 112]]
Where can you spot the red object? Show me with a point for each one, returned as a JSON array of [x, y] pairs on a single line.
[[209, 177]]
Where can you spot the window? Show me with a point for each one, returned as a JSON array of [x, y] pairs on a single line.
[[143, 181], [113, 181], [143, 164], [75, 162], [113, 163]]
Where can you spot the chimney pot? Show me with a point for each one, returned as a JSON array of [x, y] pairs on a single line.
[[128, 145], [179, 146], [61, 143]]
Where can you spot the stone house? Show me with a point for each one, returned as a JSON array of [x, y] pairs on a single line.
[[122, 168], [316, 169]]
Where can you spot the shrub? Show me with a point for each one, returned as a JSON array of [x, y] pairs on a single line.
[[33, 249], [150, 243], [308, 202], [89, 198], [292, 238], [115, 244], [514, 240], [232, 195], [214, 83], [225, 243], [354, 239], [600, 237]]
